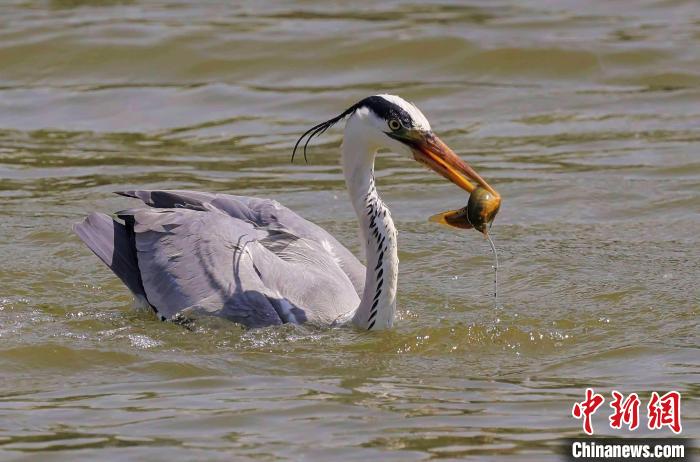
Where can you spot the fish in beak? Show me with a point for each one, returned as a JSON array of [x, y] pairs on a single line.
[[484, 201]]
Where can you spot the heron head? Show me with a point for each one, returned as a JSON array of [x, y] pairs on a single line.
[[389, 121]]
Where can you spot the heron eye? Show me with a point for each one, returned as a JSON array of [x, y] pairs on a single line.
[[394, 124]]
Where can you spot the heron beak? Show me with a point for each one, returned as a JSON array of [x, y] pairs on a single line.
[[431, 151]]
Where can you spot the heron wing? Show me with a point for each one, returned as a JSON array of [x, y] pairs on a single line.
[[263, 214]]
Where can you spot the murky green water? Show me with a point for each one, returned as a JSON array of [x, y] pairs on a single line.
[[585, 116]]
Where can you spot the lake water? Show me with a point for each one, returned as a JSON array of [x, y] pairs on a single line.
[[584, 115]]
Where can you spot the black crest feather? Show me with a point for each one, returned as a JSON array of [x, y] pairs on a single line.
[[317, 130]]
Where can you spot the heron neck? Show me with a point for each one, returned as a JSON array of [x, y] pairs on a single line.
[[377, 234]]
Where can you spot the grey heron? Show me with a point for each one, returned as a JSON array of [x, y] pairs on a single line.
[[256, 262]]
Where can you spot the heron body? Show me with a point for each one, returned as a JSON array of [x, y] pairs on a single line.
[[256, 262]]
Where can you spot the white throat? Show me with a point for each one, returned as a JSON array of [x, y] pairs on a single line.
[[377, 232]]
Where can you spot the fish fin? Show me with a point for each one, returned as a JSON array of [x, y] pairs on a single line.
[[451, 219]]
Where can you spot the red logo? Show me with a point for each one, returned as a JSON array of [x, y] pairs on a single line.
[[662, 411]]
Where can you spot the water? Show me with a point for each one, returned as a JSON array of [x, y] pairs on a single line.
[[584, 116]]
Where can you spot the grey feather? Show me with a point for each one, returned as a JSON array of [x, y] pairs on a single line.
[[249, 260]]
